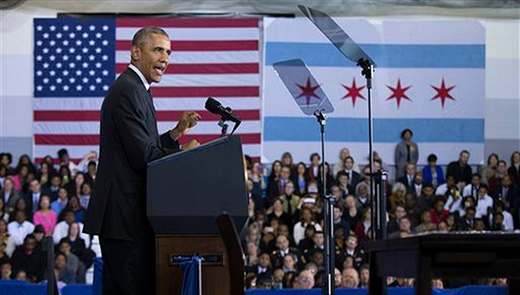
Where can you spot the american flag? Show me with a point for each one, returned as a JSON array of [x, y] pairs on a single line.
[[76, 61]]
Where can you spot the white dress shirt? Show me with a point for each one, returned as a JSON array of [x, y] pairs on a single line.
[[482, 206], [20, 230]]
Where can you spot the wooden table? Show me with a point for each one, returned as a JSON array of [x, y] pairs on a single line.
[[442, 255]]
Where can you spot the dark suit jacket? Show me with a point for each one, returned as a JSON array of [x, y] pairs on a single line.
[[128, 141]]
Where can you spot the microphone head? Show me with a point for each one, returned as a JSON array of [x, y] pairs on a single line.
[[213, 106]]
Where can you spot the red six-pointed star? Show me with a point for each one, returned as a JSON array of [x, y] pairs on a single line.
[[353, 92], [443, 93], [398, 93], [308, 91]]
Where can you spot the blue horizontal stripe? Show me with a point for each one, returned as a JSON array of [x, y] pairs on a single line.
[[385, 130], [384, 55]]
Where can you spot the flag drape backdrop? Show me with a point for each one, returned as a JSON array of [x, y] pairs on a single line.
[[430, 78], [77, 60]]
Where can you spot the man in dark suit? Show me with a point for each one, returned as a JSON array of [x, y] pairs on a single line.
[[460, 170], [128, 141]]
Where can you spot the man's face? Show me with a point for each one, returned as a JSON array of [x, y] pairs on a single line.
[[470, 214], [318, 239], [364, 276], [56, 181], [344, 153], [349, 164], [152, 57], [282, 243], [404, 225], [350, 278], [428, 191], [450, 181], [439, 207], [464, 157], [289, 189], [351, 243], [278, 275], [399, 212], [30, 244], [285, 173], [410, 169], [337, 213], [305, 280], [264, 260], [475, 180], [35, 186], [283, 230]]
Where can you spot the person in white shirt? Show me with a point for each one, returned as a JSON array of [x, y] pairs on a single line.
[[472, 188], [454, 201], [508, 223], [20, 228], [62, 229], [443, 188], [484, 202], [299, 228]]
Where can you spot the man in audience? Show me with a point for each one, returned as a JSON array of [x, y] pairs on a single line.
[[405, 229], [484, 202], [350, 278], [319, 245], [358, 255], [425, 200], [29, 259], [74, 265], [290, 201], [339, 221], [6, 271], [52, 186], [394, 224], [471, 189], [282, 245], [305, 280], [20, 228], [467, 222], [460, 170], [409, 177], [32, 198]]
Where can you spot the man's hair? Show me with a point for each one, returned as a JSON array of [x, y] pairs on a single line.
[[142, 35]]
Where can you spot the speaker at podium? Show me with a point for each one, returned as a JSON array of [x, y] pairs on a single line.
[[186, 191]]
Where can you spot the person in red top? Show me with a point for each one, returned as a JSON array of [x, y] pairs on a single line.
[[438, 213]]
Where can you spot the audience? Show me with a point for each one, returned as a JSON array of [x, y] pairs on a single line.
[[284, 240]]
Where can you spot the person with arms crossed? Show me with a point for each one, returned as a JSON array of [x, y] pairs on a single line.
[[129, 139]]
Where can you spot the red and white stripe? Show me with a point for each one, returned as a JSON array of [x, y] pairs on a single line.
[[210, 57]]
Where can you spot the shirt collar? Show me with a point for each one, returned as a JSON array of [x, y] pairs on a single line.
[[141, 76]]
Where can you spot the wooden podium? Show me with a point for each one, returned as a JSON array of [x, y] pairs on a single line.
[[186, 191]]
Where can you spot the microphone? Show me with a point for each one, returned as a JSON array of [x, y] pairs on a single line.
[[215, 107]]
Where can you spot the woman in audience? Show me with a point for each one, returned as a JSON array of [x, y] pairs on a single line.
[[62, 273], [44, 173], [397, 196], [84, 195], [289, 263], [20, 177], [74, 187], [514, 170], [314, 168], [301, 179], [490, 169], [3, 213], [278, 213], [252, 255], [351, 214], [6, 238], [306, 218], [287, 160], [78, 245], [25, 160], [272, 180], [363, 226], [65, 174], [45, 216], [259, 181], [406, 152], [432, 173]]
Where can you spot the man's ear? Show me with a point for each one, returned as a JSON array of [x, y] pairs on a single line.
[[135, 53]]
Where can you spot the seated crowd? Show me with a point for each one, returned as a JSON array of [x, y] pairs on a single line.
[[284, 241], [40, 201]]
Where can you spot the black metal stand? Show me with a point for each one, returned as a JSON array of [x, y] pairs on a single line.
[[328, 216], [224, 127], [377, 203]]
